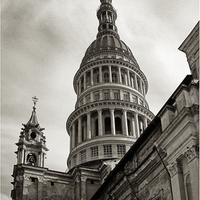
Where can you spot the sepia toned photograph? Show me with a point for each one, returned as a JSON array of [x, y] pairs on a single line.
[[100, 100]]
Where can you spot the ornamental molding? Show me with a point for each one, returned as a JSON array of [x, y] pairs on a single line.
[[192, 153], [174, 168], [19, 178], [83, 178], [26, 177], [40, 179], [77, 179]]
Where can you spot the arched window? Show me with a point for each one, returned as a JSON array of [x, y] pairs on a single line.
[[88, 81], [107, 125], [114, 78], [96, 127], [106, 77], [123, 81], [129, 127], [82, 135], [31, 159], [97, 78], [118, 125]]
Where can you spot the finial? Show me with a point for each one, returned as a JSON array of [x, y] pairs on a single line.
[[35, 100]]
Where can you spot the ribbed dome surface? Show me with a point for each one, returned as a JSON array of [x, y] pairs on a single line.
[[109, 42]]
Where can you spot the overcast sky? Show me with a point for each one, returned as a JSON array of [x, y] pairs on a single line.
[[43, 43]]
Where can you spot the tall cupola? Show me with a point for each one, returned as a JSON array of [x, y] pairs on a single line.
[[107, 15], [111, 110], [32, 142]]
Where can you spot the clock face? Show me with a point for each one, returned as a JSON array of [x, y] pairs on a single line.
[[33, 135]]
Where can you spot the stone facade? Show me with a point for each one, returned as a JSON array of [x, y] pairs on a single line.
[[164, 162]]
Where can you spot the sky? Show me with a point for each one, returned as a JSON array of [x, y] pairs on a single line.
[[42, 45]]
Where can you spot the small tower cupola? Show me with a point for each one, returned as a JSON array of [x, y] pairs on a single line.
[[107, 16], [32, 142]]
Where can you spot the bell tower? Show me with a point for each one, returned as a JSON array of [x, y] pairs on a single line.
[[31, 145]]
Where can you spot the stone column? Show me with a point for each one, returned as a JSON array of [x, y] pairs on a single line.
[[120, 75], [92, 77], [177, 181], [193, 164], [83, 188], [78, 188], [125, 126], [112, 117], [73, 135], [133, 127], [79, 130], [40, 188], [84, 81], [100, 74], [137, 129], [100, 122], [88, 125], [141, 87], [136, 85], [145, 123], [22, 155], [128, 77], [43, 157], [110, 74]]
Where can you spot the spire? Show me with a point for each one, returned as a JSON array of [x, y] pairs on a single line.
[[33, 119], [107, 15]]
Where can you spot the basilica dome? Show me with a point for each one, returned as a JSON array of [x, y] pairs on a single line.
[[108, 43]]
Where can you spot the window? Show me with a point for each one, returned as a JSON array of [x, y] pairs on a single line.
[[125, 97], [88, 79], [96, 127], [114, 78], [94, 152], [83, 135], [121, 150], [33, 179], [107, 150], [31, 159], [52, 183], [97, 78], [122, 78], [107, 125], [96, 96], [118, 125], [83, 156], [106, 95], [106, 77], [141, 102], [134, 99], [116, 95], [129, 127]]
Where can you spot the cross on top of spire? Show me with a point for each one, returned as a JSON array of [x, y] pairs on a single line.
[[35, 100]]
